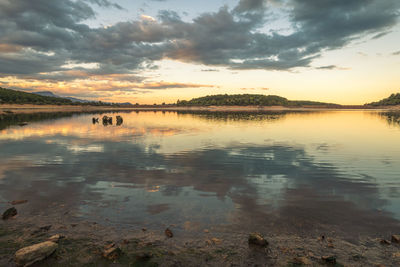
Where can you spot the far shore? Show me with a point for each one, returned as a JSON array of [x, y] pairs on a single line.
[[29, 108]]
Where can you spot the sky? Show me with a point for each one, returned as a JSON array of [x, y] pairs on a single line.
[[154, 51]]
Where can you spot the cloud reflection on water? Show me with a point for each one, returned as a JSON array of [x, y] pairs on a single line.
[[247, 185]]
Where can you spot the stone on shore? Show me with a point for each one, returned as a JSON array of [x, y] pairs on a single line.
[[112, 253], [258, 240], [11, 212], [29, 255], [168, 233], [55, 238], [396, 239]]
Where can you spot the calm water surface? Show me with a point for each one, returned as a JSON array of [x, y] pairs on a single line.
[[300, 171]]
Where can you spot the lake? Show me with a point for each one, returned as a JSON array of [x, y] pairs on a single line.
[[305, 172]]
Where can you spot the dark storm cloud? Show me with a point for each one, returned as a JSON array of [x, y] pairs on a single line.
[[250, 5], [39, 36]]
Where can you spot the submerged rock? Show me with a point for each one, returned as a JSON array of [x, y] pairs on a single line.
[[29, 255], [258, 240], [168, 233], [119, 120], [11, 212]]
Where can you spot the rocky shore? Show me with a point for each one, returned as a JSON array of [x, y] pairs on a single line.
[[35, 242]]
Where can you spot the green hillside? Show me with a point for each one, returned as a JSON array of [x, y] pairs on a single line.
[[8, 96], [392, 100], [247, 100]]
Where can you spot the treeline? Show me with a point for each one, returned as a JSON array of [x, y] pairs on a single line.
[[8, 96], [247, 100], [392, 100]]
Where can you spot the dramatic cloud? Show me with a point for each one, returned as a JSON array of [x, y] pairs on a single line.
[[51, 40]]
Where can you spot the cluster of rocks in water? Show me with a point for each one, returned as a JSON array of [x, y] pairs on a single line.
[[106, 120]]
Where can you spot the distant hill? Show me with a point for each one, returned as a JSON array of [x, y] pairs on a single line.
[[51, 94], [249, 100], [392, 100], [8, 96]]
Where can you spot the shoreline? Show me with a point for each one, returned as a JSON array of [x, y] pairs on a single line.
[[85, 243], [27, 108]]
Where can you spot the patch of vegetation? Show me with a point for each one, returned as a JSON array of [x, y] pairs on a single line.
[[248, 100], [8, 96], [392, 100]]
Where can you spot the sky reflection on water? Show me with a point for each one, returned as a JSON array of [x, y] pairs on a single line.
[[299, 170]]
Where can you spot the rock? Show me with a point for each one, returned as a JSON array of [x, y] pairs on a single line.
[[258, 240], [107, 120], [216, 241], [11, 212], [301, 261], [29, 255], [396, 255], [168, 233], [17, 202], [321, 238], [329, 259], [396, 239], [55, 238], [111, 245], [112, 253], [384, 242], [119, 120]]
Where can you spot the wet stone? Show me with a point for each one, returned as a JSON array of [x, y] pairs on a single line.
[[11, 212], [112, 253]]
